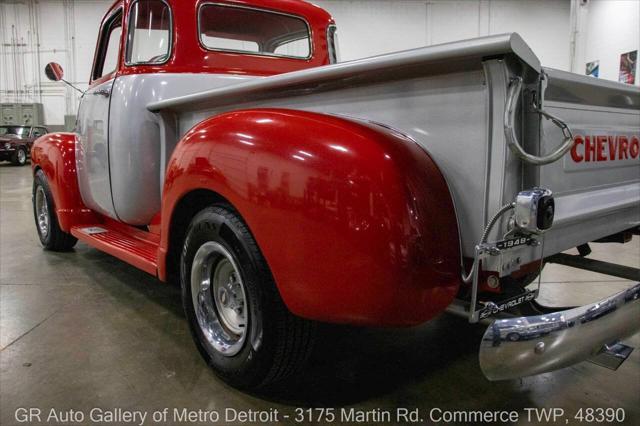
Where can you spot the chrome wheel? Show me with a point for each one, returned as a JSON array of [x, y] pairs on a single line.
[[42, 212], [219, 298], [22, 156]]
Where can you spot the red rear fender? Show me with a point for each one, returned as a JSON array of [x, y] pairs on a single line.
[[355, 220]]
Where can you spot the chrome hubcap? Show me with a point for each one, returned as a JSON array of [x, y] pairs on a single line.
[[22, 156], [42, 211], [219, 298]]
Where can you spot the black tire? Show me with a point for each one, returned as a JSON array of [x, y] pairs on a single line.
[[513, 337], [277, 343], [19, 157], [54, 238]]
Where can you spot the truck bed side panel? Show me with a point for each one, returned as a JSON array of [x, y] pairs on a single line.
[[446, 115]]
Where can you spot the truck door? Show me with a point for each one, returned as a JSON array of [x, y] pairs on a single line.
[[92, 149]]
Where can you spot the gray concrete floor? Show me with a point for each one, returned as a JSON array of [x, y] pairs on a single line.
[[81, 330]]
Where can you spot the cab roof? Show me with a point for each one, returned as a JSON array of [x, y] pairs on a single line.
[[309, 11]]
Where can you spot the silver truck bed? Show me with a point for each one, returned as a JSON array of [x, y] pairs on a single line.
[[451, 98]]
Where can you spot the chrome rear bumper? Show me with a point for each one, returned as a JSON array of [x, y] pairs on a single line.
[[525, 346]]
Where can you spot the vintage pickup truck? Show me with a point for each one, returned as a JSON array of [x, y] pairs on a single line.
[[221, 144]]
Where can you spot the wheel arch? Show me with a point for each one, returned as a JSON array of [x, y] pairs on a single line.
[[185, 209]]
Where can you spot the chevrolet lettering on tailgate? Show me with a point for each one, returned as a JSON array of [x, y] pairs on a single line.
[[596, 148]]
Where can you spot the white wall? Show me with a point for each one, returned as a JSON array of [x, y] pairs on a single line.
[[605, 30], [373, 27], [33, 33], [67, 32]]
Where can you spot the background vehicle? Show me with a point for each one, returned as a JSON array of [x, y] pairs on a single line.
[[220, 145], [16, 142]]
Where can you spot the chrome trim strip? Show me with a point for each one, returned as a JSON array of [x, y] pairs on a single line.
[[525, 346]]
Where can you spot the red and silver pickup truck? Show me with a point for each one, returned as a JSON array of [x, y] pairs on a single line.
[[221, 144]]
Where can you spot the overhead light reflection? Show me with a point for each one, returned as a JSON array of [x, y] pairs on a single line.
[[339, 148]]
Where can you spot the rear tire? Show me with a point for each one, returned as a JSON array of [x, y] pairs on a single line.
[[19, 157], [49, 232], [242, 327]]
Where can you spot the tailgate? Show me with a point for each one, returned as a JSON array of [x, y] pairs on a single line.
[[596, 184]]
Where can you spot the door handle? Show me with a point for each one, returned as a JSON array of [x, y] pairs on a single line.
[[103, 92]]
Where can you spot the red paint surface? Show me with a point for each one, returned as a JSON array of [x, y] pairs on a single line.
[[127, 243], [355, 221], [55, 154], [599, 148], [188, 56]]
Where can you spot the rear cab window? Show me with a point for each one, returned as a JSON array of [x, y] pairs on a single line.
[[241, 29]]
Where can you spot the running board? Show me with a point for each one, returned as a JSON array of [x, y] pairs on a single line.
[[593, 265], [131, 248]]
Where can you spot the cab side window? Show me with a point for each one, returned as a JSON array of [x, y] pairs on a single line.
[[149, 34], [109, 47]]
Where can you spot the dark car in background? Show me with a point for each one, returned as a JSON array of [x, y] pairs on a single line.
[[16, 141]]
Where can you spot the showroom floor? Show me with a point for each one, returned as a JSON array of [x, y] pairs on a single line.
[[81, 330]]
